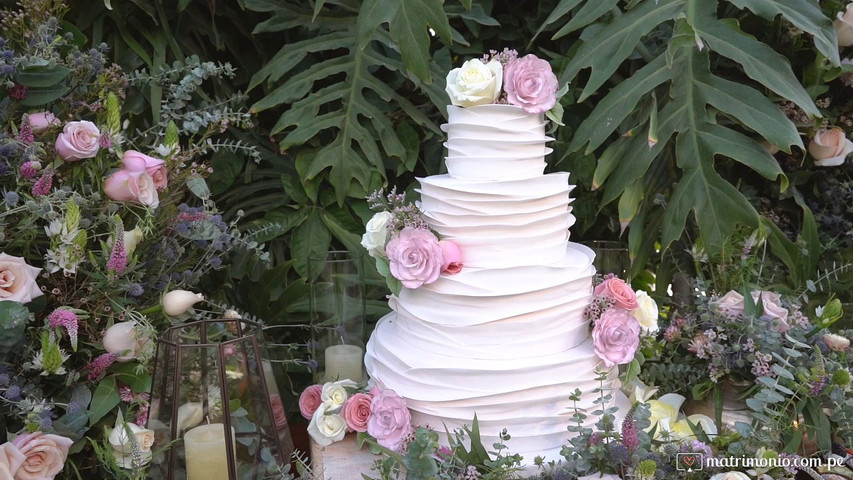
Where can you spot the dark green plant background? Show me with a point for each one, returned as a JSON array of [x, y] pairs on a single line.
[[349, 97]]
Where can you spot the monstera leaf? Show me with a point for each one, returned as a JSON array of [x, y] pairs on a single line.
[[696, 114]]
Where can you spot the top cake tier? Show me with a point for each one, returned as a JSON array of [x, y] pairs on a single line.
[[495, 142]]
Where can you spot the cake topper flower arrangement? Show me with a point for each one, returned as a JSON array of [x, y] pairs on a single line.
[[505, 78], [408, 254]]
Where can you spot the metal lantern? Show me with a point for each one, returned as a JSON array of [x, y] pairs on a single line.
[[214, 406]]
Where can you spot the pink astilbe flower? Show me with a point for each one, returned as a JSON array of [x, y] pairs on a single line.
[[62, 317], [142, 415], [43, 184], [125, 393], [25, 132], [118, 258], [30, 169], [629, 432], [100, 364]]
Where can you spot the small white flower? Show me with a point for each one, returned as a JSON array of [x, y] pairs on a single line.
[[177, 302]]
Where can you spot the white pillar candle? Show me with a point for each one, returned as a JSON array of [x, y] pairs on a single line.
[[344, 361], [207, 457]]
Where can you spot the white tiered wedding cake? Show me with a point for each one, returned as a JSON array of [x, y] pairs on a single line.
[[505, 338]]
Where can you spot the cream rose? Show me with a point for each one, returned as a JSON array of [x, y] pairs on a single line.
[[646, 312], [45, 455], [830, 147], [475, 83], [334, 394], [375, 234], [18, 280], [326, 428], [844, 26], [120, 442]]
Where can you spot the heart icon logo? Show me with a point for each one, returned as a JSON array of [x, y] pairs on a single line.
[[689, 461]]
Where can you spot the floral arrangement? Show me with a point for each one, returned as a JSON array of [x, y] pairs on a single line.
[[505, 78], [407, 253], [107, 229], [619, 316], [335, 408]]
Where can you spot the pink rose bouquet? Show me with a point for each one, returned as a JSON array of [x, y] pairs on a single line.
[[616, 337], [78, 140], [390, 421], [531, 84], [415, 257]]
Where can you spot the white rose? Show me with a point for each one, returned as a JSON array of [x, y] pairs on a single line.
[[731, 476], [375, 233], [844, 26], [475, 83], [647, 312], [326, 428], [144, 438], [125, 340], [334, 394]]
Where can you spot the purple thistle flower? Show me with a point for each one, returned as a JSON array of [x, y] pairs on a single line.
[[629, 432], [105, 140], [42, 186], [100, 364], [13, 393], [118, 258], [30, 169], [25, 131], [67, 319], [619, 453]]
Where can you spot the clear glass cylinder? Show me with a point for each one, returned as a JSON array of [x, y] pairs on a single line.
[[611, 257], [215, 407], [337, 307]]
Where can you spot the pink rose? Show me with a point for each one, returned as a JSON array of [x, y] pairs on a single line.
[[730, 304], [310, 401], [619, 291], [452, 257], [77, 141], [45, 455], [18, 280], [616, 336], [124, 186], [278, 413], [11, 460], [830, 147], [134, 161], [773, 310], [390, 421], [357, 411], [531, 84], [835, 342], [41, 120], [415, 256]]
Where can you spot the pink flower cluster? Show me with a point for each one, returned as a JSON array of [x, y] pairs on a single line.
[[33, 456], [616, 334], [381, 413]]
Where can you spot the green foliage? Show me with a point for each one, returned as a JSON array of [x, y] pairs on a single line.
[[699, 112], [14, 318]]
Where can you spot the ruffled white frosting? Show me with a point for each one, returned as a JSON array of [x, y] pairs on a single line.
[[505, 338]]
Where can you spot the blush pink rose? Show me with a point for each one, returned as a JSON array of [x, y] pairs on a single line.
[[77, 141], [124, 186], [730, 304], [530, 83], [18, 280], [11, 460], [45, 455], [829, 147], [616, 337], [619, 291], [278, 413], [390, 421], [310, 400], [133, 161], [773, 309], [357, 411], [41, 120], [415, 257], [452, 257]]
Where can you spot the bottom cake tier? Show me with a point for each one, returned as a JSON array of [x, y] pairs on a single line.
[[529, 397]]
